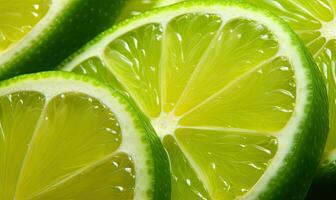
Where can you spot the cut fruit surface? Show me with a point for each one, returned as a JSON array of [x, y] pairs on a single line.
[[315, 22], [68, 137], [136, 7], [226, 86], [32, 32], [17, 18]]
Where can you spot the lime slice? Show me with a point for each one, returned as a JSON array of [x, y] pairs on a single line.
[[63, 136], [41, 33], [315, 22], [229, 89]]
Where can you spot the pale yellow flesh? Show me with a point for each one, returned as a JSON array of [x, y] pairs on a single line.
[[216, 91], [66, 148]]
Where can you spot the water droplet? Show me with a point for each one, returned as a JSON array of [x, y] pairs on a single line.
[[188, 181], [261, 51], [213, 166], [36, 6], [115, 164], [265, 37], [120, 188], [284, 68], [34, 14], [152, 68], [179, 37], [243, 190], [129, 170]]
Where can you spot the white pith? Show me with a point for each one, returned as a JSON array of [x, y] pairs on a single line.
[[167, 121], [328, 30], [131, 143], [56, 7]]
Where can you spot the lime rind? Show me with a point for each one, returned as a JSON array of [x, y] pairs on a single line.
[[139, 140], [295, 140]]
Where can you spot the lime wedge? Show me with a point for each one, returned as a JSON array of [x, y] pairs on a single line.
[[63, 136], [315, 22], [230, 90], [41, 33]]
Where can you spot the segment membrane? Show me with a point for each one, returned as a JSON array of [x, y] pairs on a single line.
[[19, 112], [300, 18], [135, 58], [231, 161], [240, 46], [184, 181], [73, 133], [17, 18], [307, 18], [95, 68], [186, 40], [113, 178], [262, 100]]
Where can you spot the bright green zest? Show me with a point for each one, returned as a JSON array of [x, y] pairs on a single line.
[[315, 22], [226, 97], [77, 140], [17, 18]]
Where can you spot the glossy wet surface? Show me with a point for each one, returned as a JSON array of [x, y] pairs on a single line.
[[17, 18], [63, 149]]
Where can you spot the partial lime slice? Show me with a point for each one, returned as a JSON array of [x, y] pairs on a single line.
[[63, 136], [229, 89], [38, 34], [17, 18], [315, 22]]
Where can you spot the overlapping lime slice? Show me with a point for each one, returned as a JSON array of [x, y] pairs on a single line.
[[38, 34], [64, 136], [230, 90]]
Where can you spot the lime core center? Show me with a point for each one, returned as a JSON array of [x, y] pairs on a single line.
[[165, 124], [328, 30]]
